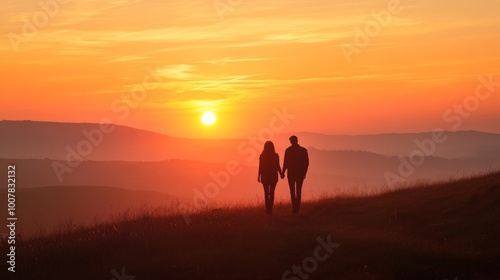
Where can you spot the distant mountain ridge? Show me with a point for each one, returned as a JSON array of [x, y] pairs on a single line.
[[34, 139], [458, 144]]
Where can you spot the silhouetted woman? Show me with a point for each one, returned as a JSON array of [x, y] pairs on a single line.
[[269, 169]]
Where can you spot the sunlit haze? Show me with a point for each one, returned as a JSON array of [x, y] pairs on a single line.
[[159, 65]]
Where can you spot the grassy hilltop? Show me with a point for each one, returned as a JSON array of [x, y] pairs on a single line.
[[438, 231]]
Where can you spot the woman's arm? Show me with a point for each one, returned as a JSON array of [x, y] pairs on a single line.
[[285, 165], [278, 165], [260, 171]]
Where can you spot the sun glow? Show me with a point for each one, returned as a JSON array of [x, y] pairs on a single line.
[[208, 118]]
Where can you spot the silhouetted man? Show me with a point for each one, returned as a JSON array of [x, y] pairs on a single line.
[[296, 162]]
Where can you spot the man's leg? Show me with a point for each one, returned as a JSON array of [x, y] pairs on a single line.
[[299, 193], [291, 184]]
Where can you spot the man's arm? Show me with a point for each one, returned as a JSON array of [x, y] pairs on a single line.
[[306, 161]]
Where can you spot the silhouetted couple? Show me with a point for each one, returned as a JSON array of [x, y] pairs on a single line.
[[295, 164]]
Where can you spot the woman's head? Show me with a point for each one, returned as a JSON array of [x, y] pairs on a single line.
[[268, 148]]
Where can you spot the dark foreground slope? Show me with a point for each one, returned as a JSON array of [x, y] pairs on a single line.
[[441, 231]]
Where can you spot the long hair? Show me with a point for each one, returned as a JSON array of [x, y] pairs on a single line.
[[268, 148]]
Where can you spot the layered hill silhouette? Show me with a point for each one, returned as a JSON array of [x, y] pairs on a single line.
[[439, 231], [34, 139], [75, 158], [457, 144], [365, 157]]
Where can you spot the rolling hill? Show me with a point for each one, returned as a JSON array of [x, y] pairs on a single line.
[[50, 209], [440, 231]]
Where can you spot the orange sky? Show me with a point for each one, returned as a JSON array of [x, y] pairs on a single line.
[[86, 57]]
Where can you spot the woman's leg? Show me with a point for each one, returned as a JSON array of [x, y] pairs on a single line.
[[266, 195], [271, 197]]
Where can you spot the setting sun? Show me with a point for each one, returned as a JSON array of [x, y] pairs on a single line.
[[208, 118]]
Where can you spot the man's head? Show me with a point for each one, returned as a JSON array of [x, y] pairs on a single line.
[[294, 140]]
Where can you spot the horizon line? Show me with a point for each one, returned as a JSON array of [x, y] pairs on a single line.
[[281, 133]]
